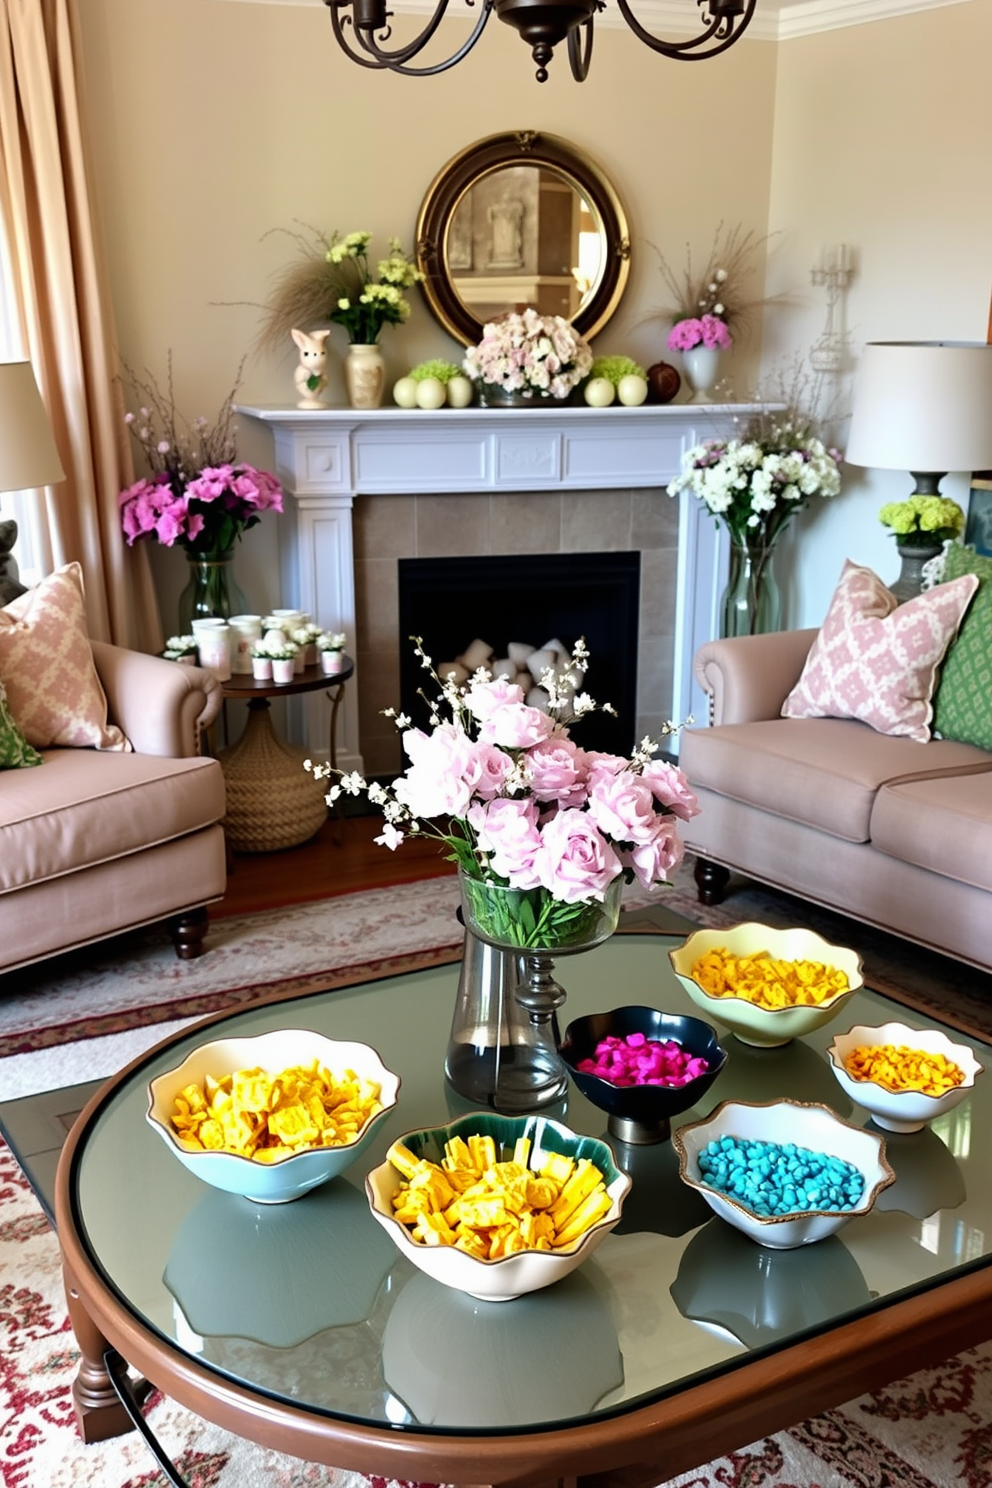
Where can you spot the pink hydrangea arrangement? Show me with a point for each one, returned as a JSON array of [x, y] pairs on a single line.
[[537, 355], [517, 803], [703, 330], [199, 496]]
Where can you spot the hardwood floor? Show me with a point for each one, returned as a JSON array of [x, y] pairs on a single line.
[[341, 859]]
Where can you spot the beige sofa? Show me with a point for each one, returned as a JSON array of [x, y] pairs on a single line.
[[894, 833], [93, 843]]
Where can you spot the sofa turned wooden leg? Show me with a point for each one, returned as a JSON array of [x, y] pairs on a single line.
[[189, 931], [711, 881]]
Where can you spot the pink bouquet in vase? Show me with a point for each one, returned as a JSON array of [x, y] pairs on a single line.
[[522, 809]]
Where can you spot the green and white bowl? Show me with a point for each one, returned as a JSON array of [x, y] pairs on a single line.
[[509, 1276]]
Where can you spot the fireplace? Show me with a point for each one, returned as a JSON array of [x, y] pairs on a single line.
[[534, 598], [375, 487]]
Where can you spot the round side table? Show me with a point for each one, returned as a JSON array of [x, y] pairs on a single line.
[[272, 802]]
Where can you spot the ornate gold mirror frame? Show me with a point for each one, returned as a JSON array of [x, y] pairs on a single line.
[[482, 249]]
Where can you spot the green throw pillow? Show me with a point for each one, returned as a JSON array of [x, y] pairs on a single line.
[[962, 705], [15, 750]]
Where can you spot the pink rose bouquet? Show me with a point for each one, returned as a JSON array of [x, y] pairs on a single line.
[[199, 495], [518, 804]]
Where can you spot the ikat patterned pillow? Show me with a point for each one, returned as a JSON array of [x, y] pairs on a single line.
[[876, 660], [962, 705], [47, 667], [15, 751]]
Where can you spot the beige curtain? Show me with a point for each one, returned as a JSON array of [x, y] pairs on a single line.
[[65, 311]]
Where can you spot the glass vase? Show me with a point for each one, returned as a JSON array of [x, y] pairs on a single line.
[[212, 590], [752, 603], [503, 1047]]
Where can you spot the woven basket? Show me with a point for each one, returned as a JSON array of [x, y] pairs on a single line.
[[272, 802]]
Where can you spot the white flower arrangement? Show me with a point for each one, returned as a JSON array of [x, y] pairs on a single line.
[[276, 649], [756, 483], [180, 645], [306, 635], [330, 640], [532, 354]]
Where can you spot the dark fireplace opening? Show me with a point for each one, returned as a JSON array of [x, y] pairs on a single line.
[[532, 598]]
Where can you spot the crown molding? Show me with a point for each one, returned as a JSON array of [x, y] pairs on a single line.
[[774, 20]]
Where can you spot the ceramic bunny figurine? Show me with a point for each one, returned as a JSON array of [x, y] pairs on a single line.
[[310, 376]]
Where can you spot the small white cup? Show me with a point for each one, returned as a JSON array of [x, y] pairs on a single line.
[[261, 668], [214, 647], [331, 662], [282, 669], [245, 629]]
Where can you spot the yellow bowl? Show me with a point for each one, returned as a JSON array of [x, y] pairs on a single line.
[[765, 1027]]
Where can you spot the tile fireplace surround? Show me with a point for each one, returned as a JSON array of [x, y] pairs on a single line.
[[369, 488]]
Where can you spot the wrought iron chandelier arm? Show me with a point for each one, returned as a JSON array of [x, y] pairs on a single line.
[[727, 19], [396, 61], [580, 40]]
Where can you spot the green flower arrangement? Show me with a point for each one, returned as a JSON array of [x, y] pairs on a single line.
[[438, 368], [923, 520], [613, 368]]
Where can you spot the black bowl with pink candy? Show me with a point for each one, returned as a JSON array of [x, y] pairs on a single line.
[[639, 1110]]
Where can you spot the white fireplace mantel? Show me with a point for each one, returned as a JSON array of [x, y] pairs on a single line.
[[326, 458]]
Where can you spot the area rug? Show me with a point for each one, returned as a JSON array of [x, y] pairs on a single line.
[[136, 981], [929, 1431]]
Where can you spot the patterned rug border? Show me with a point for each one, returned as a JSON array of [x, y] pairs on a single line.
[[203, 1004]]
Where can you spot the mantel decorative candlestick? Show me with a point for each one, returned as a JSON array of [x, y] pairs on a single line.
[[834, 272]]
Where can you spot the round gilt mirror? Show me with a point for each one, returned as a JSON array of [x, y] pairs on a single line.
[[519, 220]]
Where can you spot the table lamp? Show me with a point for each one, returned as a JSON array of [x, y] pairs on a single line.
[[28, 457], [923, 406]]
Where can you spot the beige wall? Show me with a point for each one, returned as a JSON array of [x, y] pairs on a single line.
[[214, 123], [882, 141]]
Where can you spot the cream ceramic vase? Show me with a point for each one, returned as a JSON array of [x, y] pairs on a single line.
[[701, 365], [364, 375]]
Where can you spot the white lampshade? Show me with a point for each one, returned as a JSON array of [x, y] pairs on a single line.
[[28, 456], [923, 406]]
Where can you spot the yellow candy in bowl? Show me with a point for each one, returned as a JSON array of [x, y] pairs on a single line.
[[242, 1113], [766, 985]]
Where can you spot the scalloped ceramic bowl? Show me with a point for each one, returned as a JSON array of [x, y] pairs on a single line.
[[641, 1113], [902, 1110], [766, 1027], [509, 1276], [275, 1183], [812, 1126]]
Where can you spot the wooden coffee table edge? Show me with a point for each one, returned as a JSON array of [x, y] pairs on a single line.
[[637, 1449]]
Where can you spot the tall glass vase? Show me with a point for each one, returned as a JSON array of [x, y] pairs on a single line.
[[503, 1047], [752, 603], [212, 590]]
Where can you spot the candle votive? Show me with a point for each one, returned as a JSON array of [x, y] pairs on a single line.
[[214, 647], [245, 630]]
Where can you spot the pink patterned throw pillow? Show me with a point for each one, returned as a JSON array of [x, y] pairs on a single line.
[[876, 660], [47, 668]]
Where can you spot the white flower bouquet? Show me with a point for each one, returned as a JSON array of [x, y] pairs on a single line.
[[519, 806], [756, 483], [535, 355]]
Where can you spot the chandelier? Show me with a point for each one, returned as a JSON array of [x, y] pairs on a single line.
[[363, 32]]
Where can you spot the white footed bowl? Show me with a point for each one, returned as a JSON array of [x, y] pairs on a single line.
[[765, 1027], [274, 1183], [528, 1270], [902, 1110], [813, 1126]]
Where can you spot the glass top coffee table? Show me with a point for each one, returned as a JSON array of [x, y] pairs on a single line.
[[302, 1328]]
